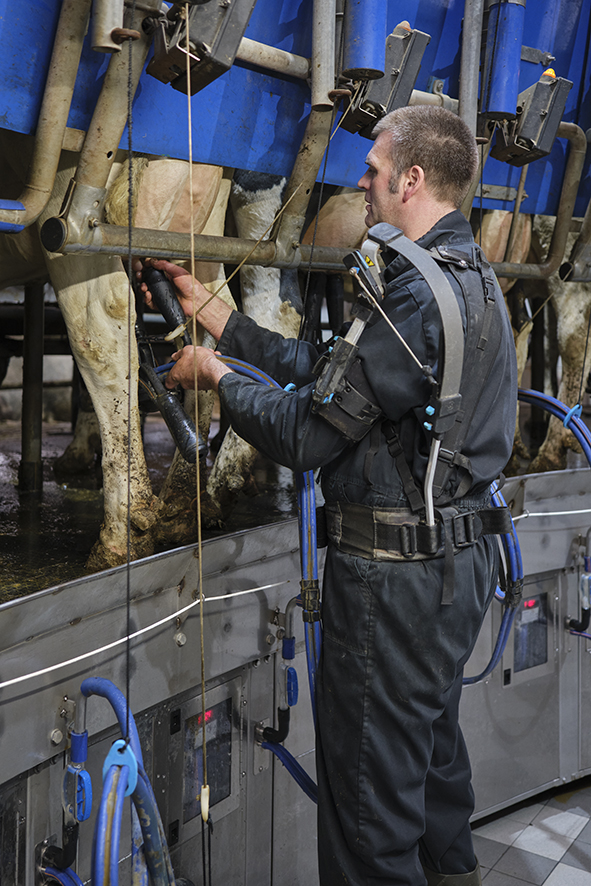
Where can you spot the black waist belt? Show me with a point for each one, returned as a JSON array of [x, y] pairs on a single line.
[[398, 534]]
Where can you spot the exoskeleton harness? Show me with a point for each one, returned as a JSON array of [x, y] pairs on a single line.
[[432, 526]]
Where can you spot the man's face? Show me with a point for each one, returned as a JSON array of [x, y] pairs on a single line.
[[382, 204]]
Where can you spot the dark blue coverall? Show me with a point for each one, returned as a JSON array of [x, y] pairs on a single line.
[[393, 771]]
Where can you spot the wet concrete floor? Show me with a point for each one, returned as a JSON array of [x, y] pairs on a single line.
[[45, 538]]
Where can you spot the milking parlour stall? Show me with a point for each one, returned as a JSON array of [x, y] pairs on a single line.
[[160, 614]]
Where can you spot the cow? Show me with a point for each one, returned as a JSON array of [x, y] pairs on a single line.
[[94, 296]]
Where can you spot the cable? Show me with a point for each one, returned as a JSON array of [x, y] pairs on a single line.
[[138, 633]]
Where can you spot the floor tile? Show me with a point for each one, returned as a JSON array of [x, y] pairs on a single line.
[[573, 801], [563, 875], [487, 851], [527, 814], [579, 856], [526, 865], [551, 833], [503, 830], [496, 878], [585, 834], [553, 821]]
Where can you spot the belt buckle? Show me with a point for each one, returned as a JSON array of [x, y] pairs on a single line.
[[408, 540], [463, 529]]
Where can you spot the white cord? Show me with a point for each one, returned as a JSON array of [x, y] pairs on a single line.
[[135, 634], [550, 514]]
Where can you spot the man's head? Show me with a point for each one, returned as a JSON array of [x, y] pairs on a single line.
[[423, 152]]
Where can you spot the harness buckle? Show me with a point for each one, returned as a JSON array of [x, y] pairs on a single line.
[[463, 529], [408, 540]]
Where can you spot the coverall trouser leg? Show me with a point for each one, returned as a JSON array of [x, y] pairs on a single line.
[[393, 771]]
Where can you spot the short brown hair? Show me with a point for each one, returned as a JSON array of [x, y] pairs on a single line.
[[436, 140]]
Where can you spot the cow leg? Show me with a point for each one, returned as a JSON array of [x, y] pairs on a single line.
[[572, 304], [93, 296], [270, 297]]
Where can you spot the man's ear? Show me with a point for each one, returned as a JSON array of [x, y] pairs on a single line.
[[413, 181]]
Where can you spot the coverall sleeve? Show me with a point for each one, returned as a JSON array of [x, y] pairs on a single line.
[[280, 423], [281, 358]]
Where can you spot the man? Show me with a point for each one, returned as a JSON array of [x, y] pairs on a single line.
[[394, 777]]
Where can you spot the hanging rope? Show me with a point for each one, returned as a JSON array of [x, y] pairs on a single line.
[[130, 330], [204, 796]]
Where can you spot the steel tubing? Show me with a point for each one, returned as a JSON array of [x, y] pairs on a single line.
[[31, 466], [274, 59], [578, 268], [323, 53], [110, 113], [568, 194], [470, 62], [53, 115], [114, 240]]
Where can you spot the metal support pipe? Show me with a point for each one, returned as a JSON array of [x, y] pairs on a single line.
[[274, 59], [31, 466], [515, 216], [568, 194], [107, 15], [323, 53], [440, 99], [305, 170], [578, 268], [113, 240], [53, 116], [110, 113], [470, 62], [87, 191]]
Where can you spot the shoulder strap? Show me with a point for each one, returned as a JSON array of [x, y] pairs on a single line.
[[481, 346]]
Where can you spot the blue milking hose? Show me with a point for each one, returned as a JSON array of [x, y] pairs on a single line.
[[156, 851], [105, 689], [510, 543], [561, 411], [67, 877], [309, 568]]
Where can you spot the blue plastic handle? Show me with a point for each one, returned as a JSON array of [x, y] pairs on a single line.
[[292, 687], [122, 755]]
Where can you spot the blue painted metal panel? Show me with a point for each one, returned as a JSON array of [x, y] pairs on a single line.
[[254, 120]]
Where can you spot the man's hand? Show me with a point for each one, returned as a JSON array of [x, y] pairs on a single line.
[[192, 296], [196, 361], [190, 292]]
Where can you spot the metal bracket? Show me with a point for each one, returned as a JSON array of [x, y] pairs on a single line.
[[536, 56], [78, 223]]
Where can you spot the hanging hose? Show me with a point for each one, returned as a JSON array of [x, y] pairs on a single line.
[[568, 416], [293, 767], [512, 596], [108, 827], [67, 877], [157, 858], [310, 594]]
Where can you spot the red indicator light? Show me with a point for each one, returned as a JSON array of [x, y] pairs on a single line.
[[529, 604]]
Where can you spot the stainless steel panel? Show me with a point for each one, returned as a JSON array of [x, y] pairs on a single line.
[[72, 619], [512, 730], [546, 541]]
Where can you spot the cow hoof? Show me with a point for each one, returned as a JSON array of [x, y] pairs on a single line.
[[102, 557]]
